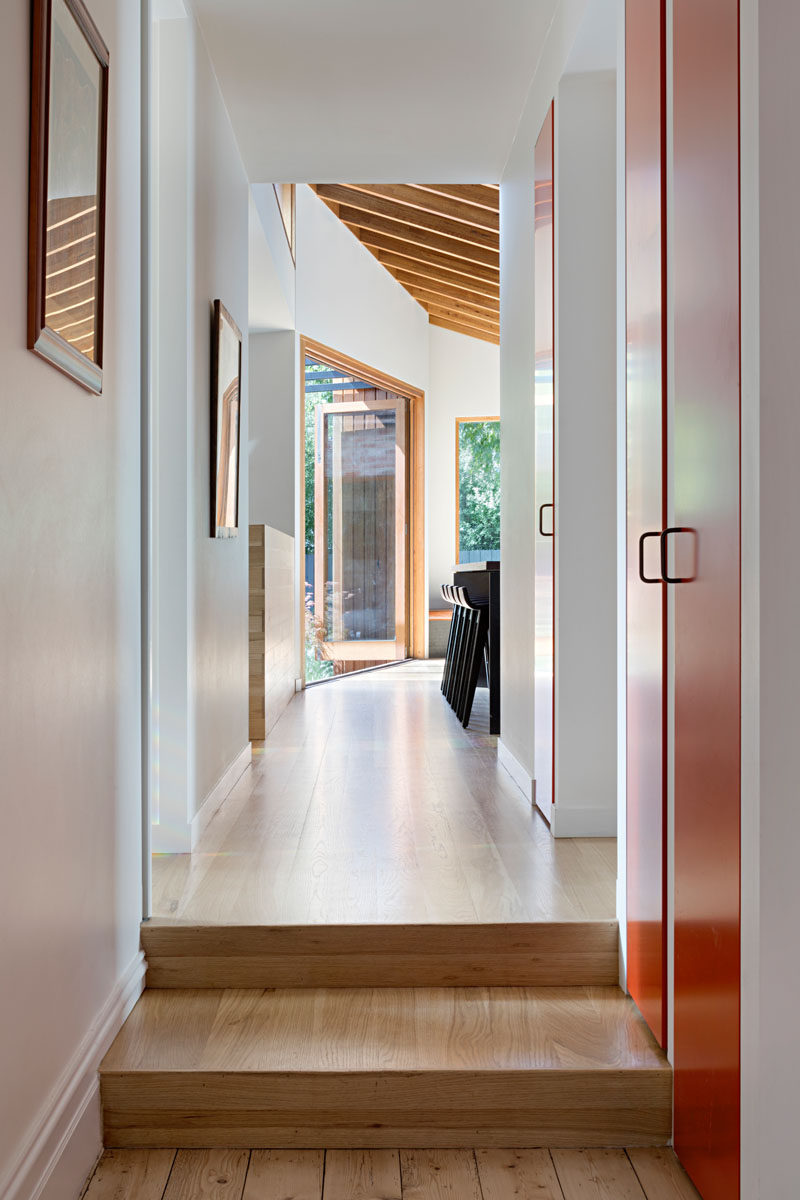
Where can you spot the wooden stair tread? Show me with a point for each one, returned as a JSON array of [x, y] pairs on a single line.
[[531, 954], [384, 1030], [385, 1067]]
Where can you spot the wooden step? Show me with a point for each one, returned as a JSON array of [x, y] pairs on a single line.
[[396, 1067], [548, 954]]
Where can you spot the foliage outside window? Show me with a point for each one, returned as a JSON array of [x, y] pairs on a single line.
[[478, 488], [316, 669]]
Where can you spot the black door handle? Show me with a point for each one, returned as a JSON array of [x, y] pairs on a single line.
[[653, 533], [664, 565], [541, 514]]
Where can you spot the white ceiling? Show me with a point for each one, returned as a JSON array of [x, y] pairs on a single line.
[[375, 91]]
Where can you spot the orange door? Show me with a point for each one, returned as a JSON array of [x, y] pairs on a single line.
[[544, 479], [705, 253], [646, 442]]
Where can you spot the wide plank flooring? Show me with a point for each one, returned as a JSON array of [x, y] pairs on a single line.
[[369, 803], [389, 1175]]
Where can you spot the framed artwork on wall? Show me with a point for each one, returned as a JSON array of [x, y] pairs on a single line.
[[66, 219], [226, 380]]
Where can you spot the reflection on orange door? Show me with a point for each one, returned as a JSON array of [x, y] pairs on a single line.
[[544, 479], [646, 441], [707, 610]]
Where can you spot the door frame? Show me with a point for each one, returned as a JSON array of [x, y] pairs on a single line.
[[416, 602]]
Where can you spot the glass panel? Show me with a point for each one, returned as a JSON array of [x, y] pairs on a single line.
[[354, 513], [73, 185], [478, 490], [360, 451]]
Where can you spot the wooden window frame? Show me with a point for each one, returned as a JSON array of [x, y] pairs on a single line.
[[416, 606], [459, 422]]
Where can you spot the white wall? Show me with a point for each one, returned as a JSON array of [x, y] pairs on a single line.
[[516, 397], [586, 457], [771, 647], [272, 273], [69, 661], [202, 237], [347, 301], [274, 455], [464, 381]]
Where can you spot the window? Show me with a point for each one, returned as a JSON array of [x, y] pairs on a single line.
[[284, 193], [477, 489]]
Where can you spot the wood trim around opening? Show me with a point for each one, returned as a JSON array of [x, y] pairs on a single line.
[[459, 422], [415, 483]]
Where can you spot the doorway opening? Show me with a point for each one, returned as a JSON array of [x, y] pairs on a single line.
[[362, 585]]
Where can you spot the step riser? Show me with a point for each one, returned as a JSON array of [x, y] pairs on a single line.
[[546, 955], [456, 1109]]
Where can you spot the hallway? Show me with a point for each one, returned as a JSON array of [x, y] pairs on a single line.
[[370, 804]]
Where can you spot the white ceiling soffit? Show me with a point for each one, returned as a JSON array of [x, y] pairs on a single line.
[[375, 90], [595, 46]]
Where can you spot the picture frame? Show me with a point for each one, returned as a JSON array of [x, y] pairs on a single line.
[[226, 386], [67, 198]]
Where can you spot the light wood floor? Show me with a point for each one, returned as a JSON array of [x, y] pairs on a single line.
[[641, 1174], [369, 803]]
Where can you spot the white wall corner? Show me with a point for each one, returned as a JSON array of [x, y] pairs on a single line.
[[515, 769], [212, 803], [65, 1139]]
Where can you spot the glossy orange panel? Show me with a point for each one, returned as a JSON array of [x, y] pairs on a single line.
[[544, 479], [707, 610], [646, 442]]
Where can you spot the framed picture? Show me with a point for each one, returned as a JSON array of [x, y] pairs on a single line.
[[66, 226], [226, 379]]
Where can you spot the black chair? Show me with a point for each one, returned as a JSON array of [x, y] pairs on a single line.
[[467, 645]]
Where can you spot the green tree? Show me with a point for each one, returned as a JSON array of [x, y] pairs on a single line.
[[479, 485]]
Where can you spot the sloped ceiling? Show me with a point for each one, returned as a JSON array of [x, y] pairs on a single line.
[[440, 241]]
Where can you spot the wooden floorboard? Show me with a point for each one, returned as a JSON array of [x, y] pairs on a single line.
[[369, 804], [215, 1174], [360, 1175], [285, 1175], [661, 1175], [597, 1174]]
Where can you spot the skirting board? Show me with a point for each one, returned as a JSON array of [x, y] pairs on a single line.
[[582, 822], [220, 791], [515, 769], [65, 1139]]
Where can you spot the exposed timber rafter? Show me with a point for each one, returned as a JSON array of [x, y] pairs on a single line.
[[439, 241]]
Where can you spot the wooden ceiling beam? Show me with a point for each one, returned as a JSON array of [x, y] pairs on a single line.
[[366, 226], [420, 252], [484, 195], [420, 271], [433, 202], [463, 313], [467, 330], [407, 217], [436, 287], [488, 310], [451, 313]]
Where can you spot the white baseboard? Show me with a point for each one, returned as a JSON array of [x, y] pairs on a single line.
[[582, 822], [66, 1138], [210, 806], [515, 769]]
